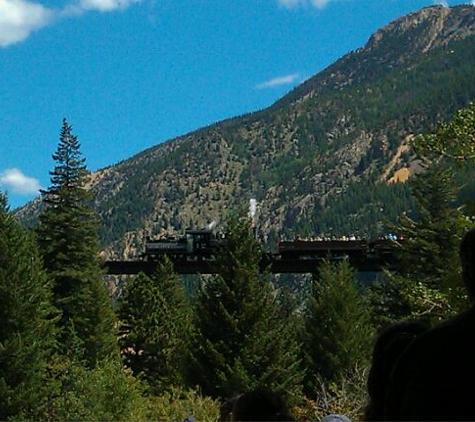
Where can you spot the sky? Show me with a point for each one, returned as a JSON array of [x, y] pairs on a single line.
[[130, 74]]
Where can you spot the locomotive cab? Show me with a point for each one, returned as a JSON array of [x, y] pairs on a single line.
[[201, 242]]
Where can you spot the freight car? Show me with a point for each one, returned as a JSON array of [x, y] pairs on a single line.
[[358, 250], [313, 249]]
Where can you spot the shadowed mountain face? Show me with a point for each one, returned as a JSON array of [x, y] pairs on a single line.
[[319, 160]]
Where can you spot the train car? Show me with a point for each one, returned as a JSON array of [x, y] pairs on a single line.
[[321, 248]]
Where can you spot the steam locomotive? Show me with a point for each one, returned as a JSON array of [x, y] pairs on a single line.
[[201, 244]]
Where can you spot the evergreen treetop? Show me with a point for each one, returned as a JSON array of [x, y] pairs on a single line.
[[71, 235], [69, 245]]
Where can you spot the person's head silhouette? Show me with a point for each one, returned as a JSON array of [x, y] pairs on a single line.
[[261, 405]]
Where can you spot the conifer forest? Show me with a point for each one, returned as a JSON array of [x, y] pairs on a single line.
[[163, 347]]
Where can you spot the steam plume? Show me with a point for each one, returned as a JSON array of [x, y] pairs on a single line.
[[252, 208]]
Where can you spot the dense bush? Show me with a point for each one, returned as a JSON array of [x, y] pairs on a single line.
[[104, 393], [178, 403]]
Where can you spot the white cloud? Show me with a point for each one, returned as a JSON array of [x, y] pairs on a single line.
[[13, 179], [19, 18], [441, 3], [291, 4], [281, 80]]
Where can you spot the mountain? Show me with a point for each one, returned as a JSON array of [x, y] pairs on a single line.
[[319, 160]]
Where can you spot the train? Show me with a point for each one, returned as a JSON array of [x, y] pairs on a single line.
[[204, 244]]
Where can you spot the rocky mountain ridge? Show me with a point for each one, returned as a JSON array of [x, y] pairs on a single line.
[[335, 137]]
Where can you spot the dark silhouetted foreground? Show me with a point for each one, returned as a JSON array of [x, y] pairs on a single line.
[[434, 378], [389, 346]]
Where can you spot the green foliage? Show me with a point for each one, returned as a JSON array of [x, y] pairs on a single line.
[[155, 327], [178, 403], [337, 330], [26, 321], [241, 341], [454, 140], [69, 245], [428, 284], [103, 393], [429, 258]]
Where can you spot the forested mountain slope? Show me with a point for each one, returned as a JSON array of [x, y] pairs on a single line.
[[319, 159]]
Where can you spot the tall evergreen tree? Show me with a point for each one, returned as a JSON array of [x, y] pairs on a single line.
[[70, 247], [428, 283], [26, 321], [155, 327], [241, 340], [337, 331]]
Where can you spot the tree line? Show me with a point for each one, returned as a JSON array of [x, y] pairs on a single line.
[[157, 351]]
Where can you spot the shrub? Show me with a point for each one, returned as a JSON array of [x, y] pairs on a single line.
[[106, 392], [346, 397]]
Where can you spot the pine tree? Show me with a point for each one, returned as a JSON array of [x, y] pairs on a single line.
[[155, 327], [428, 284], [70, 248], [337, 330], [241, 340], [26, 321]]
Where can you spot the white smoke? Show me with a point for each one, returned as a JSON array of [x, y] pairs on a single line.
[[211, 225], [252, 208]]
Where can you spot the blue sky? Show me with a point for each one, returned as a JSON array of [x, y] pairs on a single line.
[[129, 74]]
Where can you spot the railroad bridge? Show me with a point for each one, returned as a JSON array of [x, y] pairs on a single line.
[[295, 257]]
